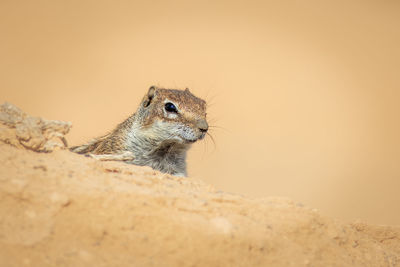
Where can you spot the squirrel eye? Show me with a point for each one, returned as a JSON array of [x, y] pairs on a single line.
[[170, 107]]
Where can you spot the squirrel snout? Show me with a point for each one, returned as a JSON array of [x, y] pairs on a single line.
[[202, 125]]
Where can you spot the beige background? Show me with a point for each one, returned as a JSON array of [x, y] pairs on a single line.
[[305, 93]]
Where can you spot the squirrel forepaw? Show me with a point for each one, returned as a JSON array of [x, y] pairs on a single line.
[[125, 156]]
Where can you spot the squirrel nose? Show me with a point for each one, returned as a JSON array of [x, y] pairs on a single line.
[[202, 125]]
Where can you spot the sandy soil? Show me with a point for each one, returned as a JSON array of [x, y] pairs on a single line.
[[63, 209], [304, 95]]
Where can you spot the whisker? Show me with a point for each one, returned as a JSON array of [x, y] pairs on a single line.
[[218, 127], [212, 121], [210, 100], [205, 148], [212, 139]]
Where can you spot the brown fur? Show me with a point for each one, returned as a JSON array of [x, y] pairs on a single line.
[[154, 136]]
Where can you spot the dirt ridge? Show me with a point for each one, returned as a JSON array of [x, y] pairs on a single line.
[[64, 209]]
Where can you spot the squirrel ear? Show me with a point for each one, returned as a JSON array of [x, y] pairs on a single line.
[[187, 90], [151, 91], [149, 96]]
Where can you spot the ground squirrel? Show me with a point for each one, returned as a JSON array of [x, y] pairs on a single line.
[[158, 134]]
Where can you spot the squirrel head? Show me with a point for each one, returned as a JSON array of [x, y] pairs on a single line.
[[173, 115]]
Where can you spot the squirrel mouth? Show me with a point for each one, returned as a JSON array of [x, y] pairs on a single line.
[[192, 139], [189, 141]]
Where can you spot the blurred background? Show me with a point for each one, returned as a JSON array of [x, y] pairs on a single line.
[[305, 94]]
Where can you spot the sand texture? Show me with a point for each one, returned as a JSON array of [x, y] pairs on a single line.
[[302, 96], [64, 209], [24, 131]]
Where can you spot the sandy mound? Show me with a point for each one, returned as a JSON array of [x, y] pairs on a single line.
[[63, 209]]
